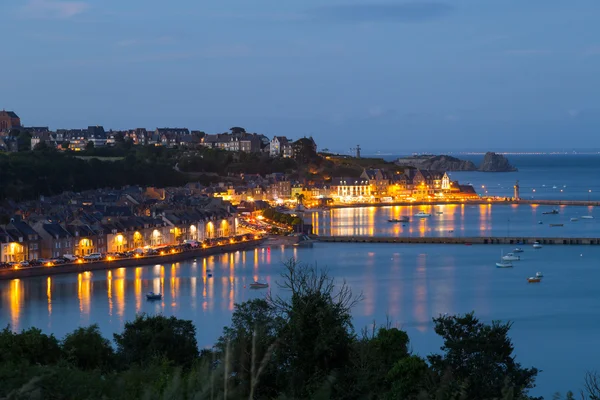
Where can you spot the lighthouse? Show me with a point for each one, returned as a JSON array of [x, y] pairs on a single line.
[[516, 195]]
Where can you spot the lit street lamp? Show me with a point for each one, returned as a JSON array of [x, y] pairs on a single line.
[[589, 193]]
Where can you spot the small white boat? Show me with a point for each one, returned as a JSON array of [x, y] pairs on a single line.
[[510, 257], [540, 222], [587, 217], [153, 296], [574, 219], [554, 187], [537, 245], [518, 250], [422, 214], [539, 275], [533, 279], [259, 285], [504, 264]]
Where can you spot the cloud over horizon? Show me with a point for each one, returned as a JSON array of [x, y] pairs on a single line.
[[53, 9]]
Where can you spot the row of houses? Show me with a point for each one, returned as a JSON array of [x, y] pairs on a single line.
[[373, 185], [22, 240], [78, 139]]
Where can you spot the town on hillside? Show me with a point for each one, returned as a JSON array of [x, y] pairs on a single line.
[[86, 219]]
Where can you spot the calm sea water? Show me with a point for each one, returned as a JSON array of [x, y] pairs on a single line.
[[457, 221], [409, 284]]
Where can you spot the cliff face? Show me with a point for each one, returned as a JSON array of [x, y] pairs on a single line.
[[493, 162], [438, 163]]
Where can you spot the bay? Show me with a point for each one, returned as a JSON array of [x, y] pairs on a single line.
[[407, 284]]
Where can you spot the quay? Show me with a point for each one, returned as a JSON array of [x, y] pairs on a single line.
[[461, 240], [28, 272]]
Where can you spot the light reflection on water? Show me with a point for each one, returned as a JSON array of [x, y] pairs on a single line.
[[409, 284], [456, 220]]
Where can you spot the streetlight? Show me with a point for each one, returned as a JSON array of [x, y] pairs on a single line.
[[589, 193]]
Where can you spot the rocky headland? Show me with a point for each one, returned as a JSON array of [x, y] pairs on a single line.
[[492, 162]]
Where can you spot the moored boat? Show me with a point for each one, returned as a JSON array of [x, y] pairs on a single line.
[[539, 275], [510, 257], [574, 219], [537, 245], [401, 219], [587, 217], [153, 296], [518, 250], [259, 285], [504, 264], [556, 225], [533, 279], [422, 214], [550, 212]]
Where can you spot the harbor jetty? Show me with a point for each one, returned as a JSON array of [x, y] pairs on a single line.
[[10, 273], [462, 240]]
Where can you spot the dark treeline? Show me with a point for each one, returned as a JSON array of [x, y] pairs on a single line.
[[27, 175], [302, 346]]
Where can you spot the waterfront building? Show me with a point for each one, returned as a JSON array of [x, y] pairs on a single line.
[[19, 241], [350, 189], [379, 182]]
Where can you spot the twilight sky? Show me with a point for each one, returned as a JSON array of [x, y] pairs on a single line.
[[391, 76]]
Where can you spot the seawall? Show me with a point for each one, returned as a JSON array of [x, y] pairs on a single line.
[[6, 274], [461, 240]]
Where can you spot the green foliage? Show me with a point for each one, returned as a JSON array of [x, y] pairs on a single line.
[[30, 346], [248, 346], [478, 358], [149, 338], [407, 378], [281, 218], [31, 174], [24, 141], [87, 349]]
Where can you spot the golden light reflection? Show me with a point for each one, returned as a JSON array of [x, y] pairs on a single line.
[[109, 291], [84, 292], [174, 283], [16, 294], [120, 296], [193, 287], [49, 294], [137, 287], [224, 291], [485, 220], [231, 292]]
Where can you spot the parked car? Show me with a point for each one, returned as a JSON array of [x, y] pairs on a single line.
[[93, 257]]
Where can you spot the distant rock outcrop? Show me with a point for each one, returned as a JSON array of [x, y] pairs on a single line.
[[493, 162], [437, 163]]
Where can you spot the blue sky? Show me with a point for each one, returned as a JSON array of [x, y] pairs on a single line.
[[390, 76]]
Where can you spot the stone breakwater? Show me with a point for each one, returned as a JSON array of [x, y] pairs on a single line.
[[522, 241], [127, 262]]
